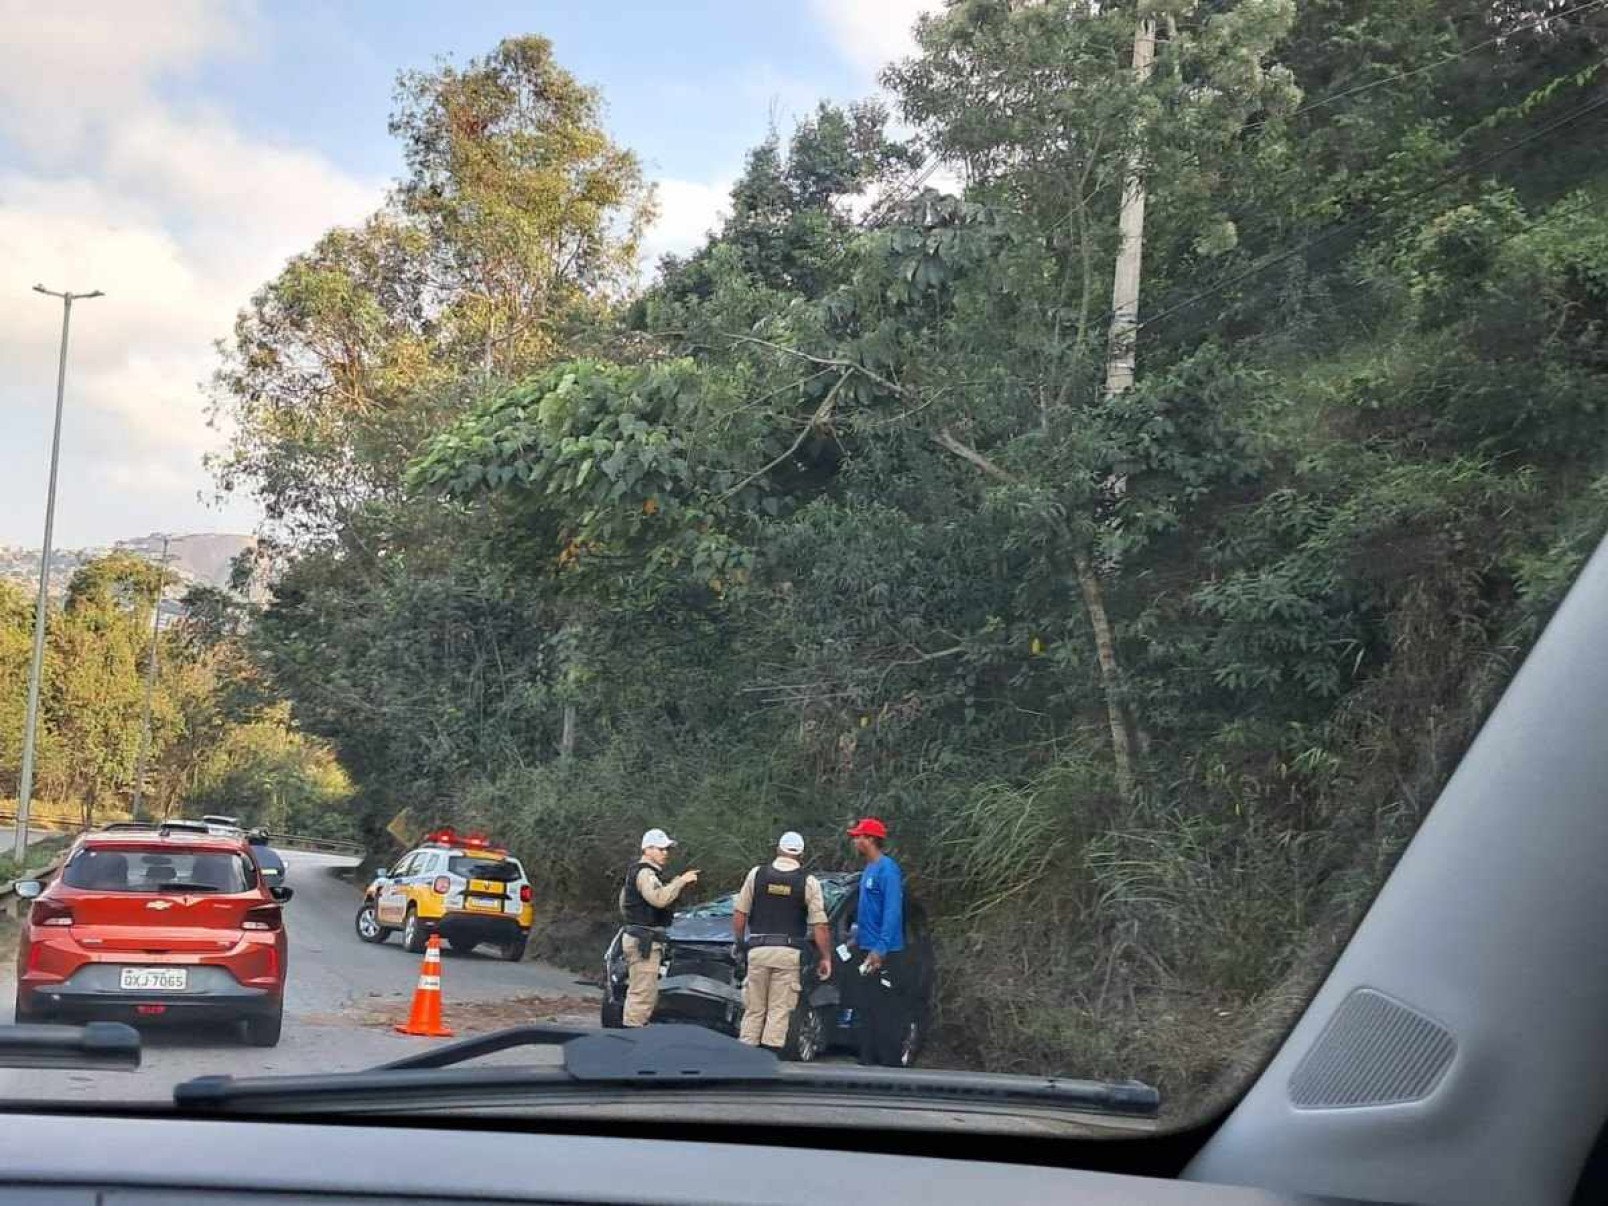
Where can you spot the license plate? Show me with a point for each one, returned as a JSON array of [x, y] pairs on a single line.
[[154, 979], [492, 904]]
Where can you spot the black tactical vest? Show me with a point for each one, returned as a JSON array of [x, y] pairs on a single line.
[[779, 906], [634, 906]]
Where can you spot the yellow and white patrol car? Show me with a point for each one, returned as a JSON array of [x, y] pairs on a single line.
[[462, 887]]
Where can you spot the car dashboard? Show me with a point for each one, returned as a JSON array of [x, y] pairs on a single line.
[[68, 1160]]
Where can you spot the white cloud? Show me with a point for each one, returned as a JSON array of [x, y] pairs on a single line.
[[873, 33], [688, 210], [65, 64], [176, 214]]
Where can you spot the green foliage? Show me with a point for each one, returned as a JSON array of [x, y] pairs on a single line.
[[212, 721], [266, 773], [839, 518], [516, 219]]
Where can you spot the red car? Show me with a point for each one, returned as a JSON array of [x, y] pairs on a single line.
[[156, 923]]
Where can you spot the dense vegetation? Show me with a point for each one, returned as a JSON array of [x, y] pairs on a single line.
[[219, 742], [837, 514]]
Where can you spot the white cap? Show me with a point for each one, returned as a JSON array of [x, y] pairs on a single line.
[[657, 839], [790, 843]]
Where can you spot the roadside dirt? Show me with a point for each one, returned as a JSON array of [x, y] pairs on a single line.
[[470, 1017]]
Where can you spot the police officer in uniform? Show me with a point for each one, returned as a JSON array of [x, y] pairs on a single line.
[[645, 907], [778, 909]]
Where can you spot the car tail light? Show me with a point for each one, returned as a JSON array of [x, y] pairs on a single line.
[[263, 917], [50, 912], [442, 885], [524, 893]]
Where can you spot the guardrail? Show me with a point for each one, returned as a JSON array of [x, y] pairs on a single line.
[[8, 817], [281, 841], [8, 889], [312, 845]]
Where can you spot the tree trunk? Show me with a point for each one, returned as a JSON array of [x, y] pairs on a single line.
[[1130, 251], [1105, 648], [566, 740], [1105, 645]]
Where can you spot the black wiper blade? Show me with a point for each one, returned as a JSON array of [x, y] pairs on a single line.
[[98, 1045], [487, 1044], [179, 885], [648, 1060]]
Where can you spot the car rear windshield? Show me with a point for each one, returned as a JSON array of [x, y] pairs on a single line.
[[158, 869], [500, 870]]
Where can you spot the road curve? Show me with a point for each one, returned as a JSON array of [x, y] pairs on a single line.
[[341, 999]]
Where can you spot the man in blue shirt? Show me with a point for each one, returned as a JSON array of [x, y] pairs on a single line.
[[882, 992]]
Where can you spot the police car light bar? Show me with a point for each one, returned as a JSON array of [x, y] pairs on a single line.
[[451, 837]]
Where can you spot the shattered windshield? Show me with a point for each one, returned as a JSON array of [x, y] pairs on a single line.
[[1073, 478]]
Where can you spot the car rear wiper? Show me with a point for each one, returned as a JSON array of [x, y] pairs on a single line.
[[98, 1045], [181, 885], [646, 1060]]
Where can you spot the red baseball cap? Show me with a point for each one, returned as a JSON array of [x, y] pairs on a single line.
[[868, 827]]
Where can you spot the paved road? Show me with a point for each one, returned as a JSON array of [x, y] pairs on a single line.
[[343, 997], [341, 1000]]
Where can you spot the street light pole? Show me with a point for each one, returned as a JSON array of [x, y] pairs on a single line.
[[150, 684], [36, 667]]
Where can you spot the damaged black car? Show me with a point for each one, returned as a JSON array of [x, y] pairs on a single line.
[[701, 981]]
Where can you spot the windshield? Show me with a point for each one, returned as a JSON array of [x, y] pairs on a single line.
[[1078, 476]]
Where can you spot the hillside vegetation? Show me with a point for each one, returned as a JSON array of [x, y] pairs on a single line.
[[219, 740], [835, 514]]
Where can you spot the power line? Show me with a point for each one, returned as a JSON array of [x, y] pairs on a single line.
[[878, 213], [1523, 27], [1447, 177]]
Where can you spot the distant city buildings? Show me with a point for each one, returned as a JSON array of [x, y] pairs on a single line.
[[198, 559]]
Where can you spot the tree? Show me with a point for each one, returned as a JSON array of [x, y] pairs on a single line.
[[517, 218], [827, 525], [16, 648]]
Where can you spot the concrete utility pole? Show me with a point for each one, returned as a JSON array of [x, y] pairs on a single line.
[[150, 684], [1121, 349], [36, 667]]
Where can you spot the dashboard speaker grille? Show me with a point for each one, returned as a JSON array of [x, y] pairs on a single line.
[[1374, 1051]]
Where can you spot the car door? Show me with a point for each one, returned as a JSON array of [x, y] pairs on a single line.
[[421, 876], [392, 905]]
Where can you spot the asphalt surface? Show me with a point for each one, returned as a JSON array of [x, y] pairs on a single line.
[[341, 1000]]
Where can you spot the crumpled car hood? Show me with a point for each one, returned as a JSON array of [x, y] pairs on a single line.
[[701, 929]]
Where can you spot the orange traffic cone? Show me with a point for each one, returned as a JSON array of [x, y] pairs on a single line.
[[425, 1019]]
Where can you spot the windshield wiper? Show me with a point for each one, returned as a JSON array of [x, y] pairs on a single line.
[[98, 1045], [653, 1059], [180, 885]]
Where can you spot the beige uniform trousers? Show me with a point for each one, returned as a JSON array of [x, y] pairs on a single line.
[[641, 980], [769, 995]]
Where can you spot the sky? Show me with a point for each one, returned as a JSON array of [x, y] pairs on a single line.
[[174, 153]]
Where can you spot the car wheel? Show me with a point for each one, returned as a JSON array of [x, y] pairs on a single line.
[[414, 938], [613, 1014], [806, 1037], [368, 924], [513, 950], [264, 1031]]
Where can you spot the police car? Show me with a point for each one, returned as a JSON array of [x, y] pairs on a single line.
[[462, 887]]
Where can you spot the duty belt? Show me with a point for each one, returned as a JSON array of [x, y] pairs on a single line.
[[647, 935], [754, 940]]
